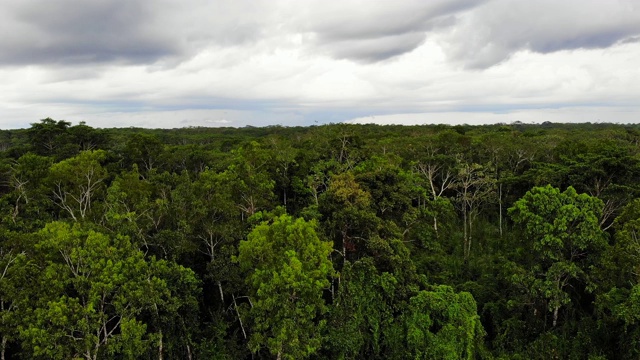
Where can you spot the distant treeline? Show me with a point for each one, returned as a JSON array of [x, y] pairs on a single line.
[[508, 241]]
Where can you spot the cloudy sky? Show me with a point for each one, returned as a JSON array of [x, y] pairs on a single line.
[[167, 63]]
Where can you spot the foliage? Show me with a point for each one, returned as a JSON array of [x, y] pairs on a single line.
[[288, 268], [509, 241]]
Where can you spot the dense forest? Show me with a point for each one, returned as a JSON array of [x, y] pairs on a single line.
[[326, 242]]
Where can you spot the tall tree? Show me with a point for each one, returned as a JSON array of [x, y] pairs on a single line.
[[439, 171], [475, 186], [563, 235], [252, 185], [77, 182], [443, 324], [351, 219], [14, 276], [89, 295], [49, 137], [27, 204], [288, 268]]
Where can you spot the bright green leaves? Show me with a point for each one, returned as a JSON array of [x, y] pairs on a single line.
[[443, 324], [288, 268], [90, 294], [560, 225]]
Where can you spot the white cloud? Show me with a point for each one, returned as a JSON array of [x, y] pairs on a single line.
[[292, 62], [533, 116], [494, 32]]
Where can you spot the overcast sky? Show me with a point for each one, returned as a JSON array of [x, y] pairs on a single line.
[[167, 63]]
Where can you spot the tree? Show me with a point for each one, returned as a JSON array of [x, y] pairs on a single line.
[[252, 185], [351, 220], [27, 205], [390, 187], [89, 295], [475, 185], [439, 171], [381, 315], [216, 223], [362, 313], [77, 181], [285, 159], [49, 137], [172, 311], [563, 234], [145, 150], [13, 277], [619, 284], [443, 324], [288, 268], [129, 207]]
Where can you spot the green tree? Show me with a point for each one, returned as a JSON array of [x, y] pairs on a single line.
[[88, 297], [77, 182], [173, 310], [288, 268], [145, 150], [381, 315], [475, 186], [439, 171], [252, 185], [27, 204], [50, 137], [14, 270], [562, 233], [443, 324], [87, 138], [362, 313], [350, 217], [619, 299], [215, 226]]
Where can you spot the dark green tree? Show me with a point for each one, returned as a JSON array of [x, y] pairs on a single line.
[[562, 242]]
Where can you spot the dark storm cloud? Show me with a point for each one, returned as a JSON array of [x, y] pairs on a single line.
[[376, 49], [71, 31], [494, 32], [373, 31], [118, 31]]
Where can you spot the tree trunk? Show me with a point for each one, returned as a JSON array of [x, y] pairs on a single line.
[[221, 293], [469, 235], [435, 225], [466, 235], [244, 333], [555, 315], [160, 348], [333, 289], [4, 347], [344, 248], [500, 204]]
